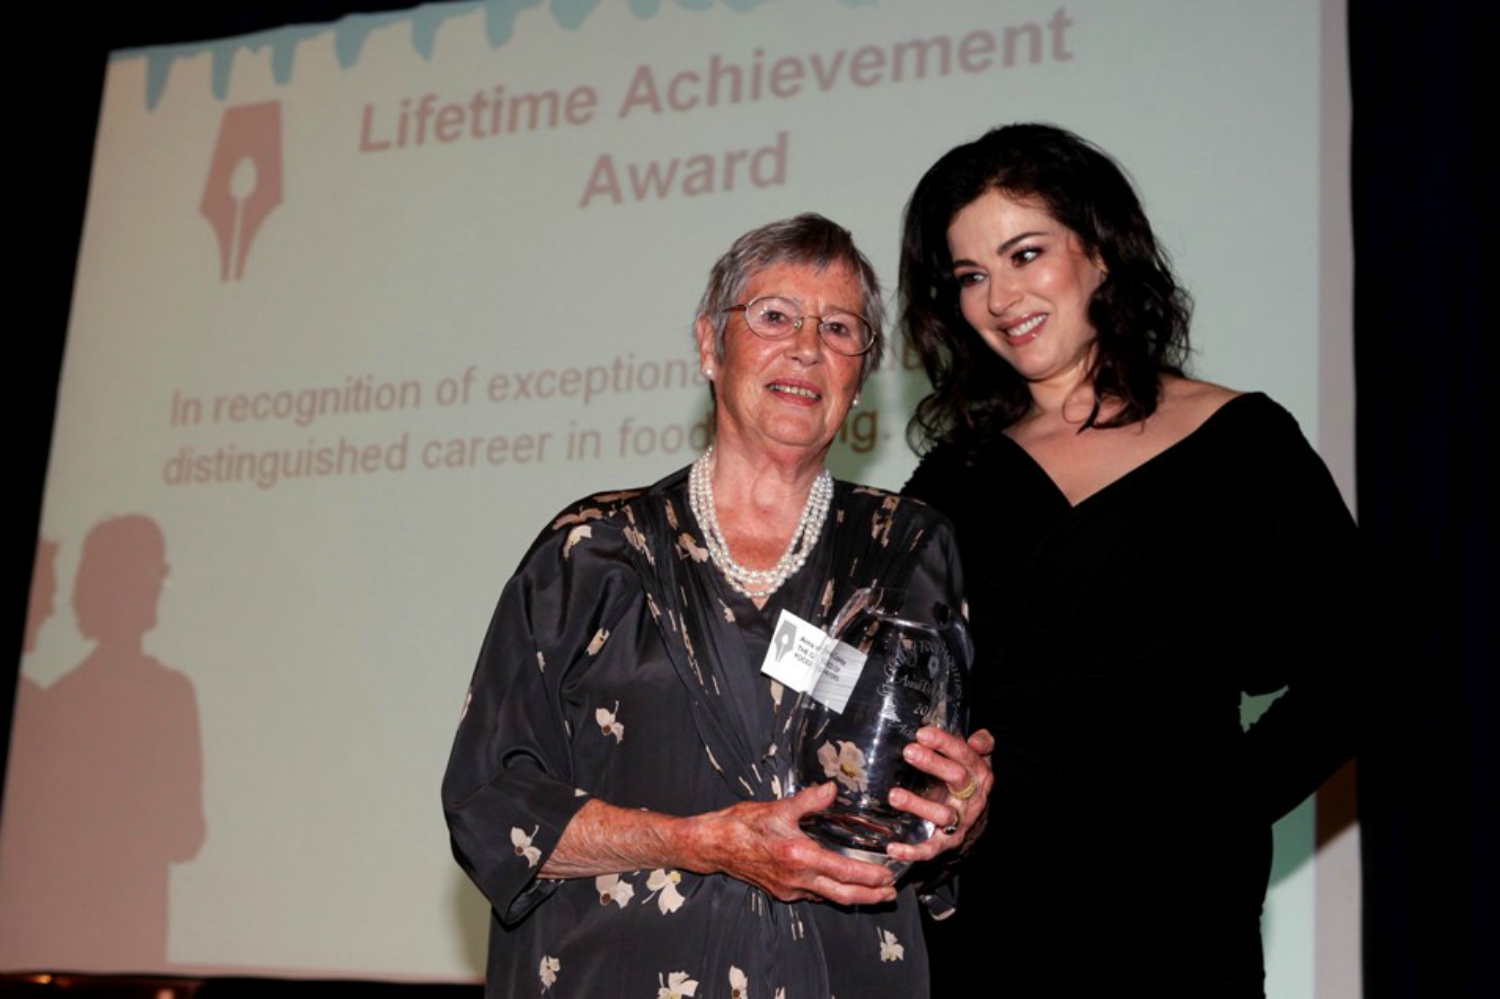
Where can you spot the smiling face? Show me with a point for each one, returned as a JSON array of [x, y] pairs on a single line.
[[775, 395], [1025, 282]]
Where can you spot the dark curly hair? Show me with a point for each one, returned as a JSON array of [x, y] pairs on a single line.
[[1139, 313]]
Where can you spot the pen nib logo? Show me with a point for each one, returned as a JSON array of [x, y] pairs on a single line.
[[244, 181], [786, 637]]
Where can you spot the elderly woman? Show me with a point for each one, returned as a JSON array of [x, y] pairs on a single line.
[[615, 789], [1142, 548]]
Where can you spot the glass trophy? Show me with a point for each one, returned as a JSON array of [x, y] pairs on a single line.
[[890, 666]]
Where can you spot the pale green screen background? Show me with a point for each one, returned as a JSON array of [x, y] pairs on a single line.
[[328, 623]]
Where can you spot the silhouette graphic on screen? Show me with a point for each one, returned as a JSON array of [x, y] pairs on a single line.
[[23, 791], [112, 788], [244, 181], [43, 592]]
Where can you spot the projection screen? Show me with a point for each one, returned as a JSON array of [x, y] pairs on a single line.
[[359, 306]]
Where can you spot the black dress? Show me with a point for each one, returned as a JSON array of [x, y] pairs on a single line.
[[1129, 835], [620, 665]]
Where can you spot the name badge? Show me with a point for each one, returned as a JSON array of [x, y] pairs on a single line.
[[807, 659]]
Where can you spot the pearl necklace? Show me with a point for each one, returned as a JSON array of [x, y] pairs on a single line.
[[757, 583]]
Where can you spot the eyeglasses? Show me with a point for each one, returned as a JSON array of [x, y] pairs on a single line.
[[772, 317]]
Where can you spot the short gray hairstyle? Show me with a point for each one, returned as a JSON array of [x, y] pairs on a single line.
[[807, 239]]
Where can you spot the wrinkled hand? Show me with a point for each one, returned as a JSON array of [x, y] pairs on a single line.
[[760, 842], [964, 766]]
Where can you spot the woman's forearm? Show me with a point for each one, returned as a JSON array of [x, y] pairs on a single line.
[[758, 842], [606, 839]]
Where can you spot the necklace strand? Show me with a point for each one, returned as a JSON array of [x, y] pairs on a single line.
[[757, 583]]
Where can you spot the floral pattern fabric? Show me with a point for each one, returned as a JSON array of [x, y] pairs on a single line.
[[619, 665]]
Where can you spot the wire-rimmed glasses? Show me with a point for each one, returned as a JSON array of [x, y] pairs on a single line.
[[772, 317]]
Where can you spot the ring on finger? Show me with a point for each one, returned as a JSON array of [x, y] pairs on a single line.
[[967, 791], [952, 827]]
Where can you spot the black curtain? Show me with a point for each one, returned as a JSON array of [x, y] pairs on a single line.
[[1428, 789], [1424, 355]]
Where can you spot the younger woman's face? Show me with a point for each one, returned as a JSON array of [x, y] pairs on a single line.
[[1025, 282]]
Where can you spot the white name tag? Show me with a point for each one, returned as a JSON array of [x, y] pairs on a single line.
[[806, 658]]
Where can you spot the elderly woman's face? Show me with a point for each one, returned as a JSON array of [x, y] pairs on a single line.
[[784, 393], [1025, 282]]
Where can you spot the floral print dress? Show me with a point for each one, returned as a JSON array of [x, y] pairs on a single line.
[[619, 665]]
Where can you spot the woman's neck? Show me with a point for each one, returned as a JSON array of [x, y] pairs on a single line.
[[1067, 403], [759, 502], [766, 481]]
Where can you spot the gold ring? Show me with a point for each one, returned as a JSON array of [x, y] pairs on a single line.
[[967, 791]]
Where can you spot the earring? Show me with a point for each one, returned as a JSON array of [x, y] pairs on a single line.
[[854, 403], [708, 372]]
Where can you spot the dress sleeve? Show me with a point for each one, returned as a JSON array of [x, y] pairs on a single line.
[[938, 576], [934, 477], [1315, 644], [509, 791]]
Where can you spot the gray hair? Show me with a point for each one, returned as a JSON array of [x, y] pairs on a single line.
[[807, 239]]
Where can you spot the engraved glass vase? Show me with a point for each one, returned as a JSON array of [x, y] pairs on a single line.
[[891, 665]]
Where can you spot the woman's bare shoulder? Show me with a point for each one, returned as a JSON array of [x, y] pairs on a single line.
[[1194, 394], [1187, 403]]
